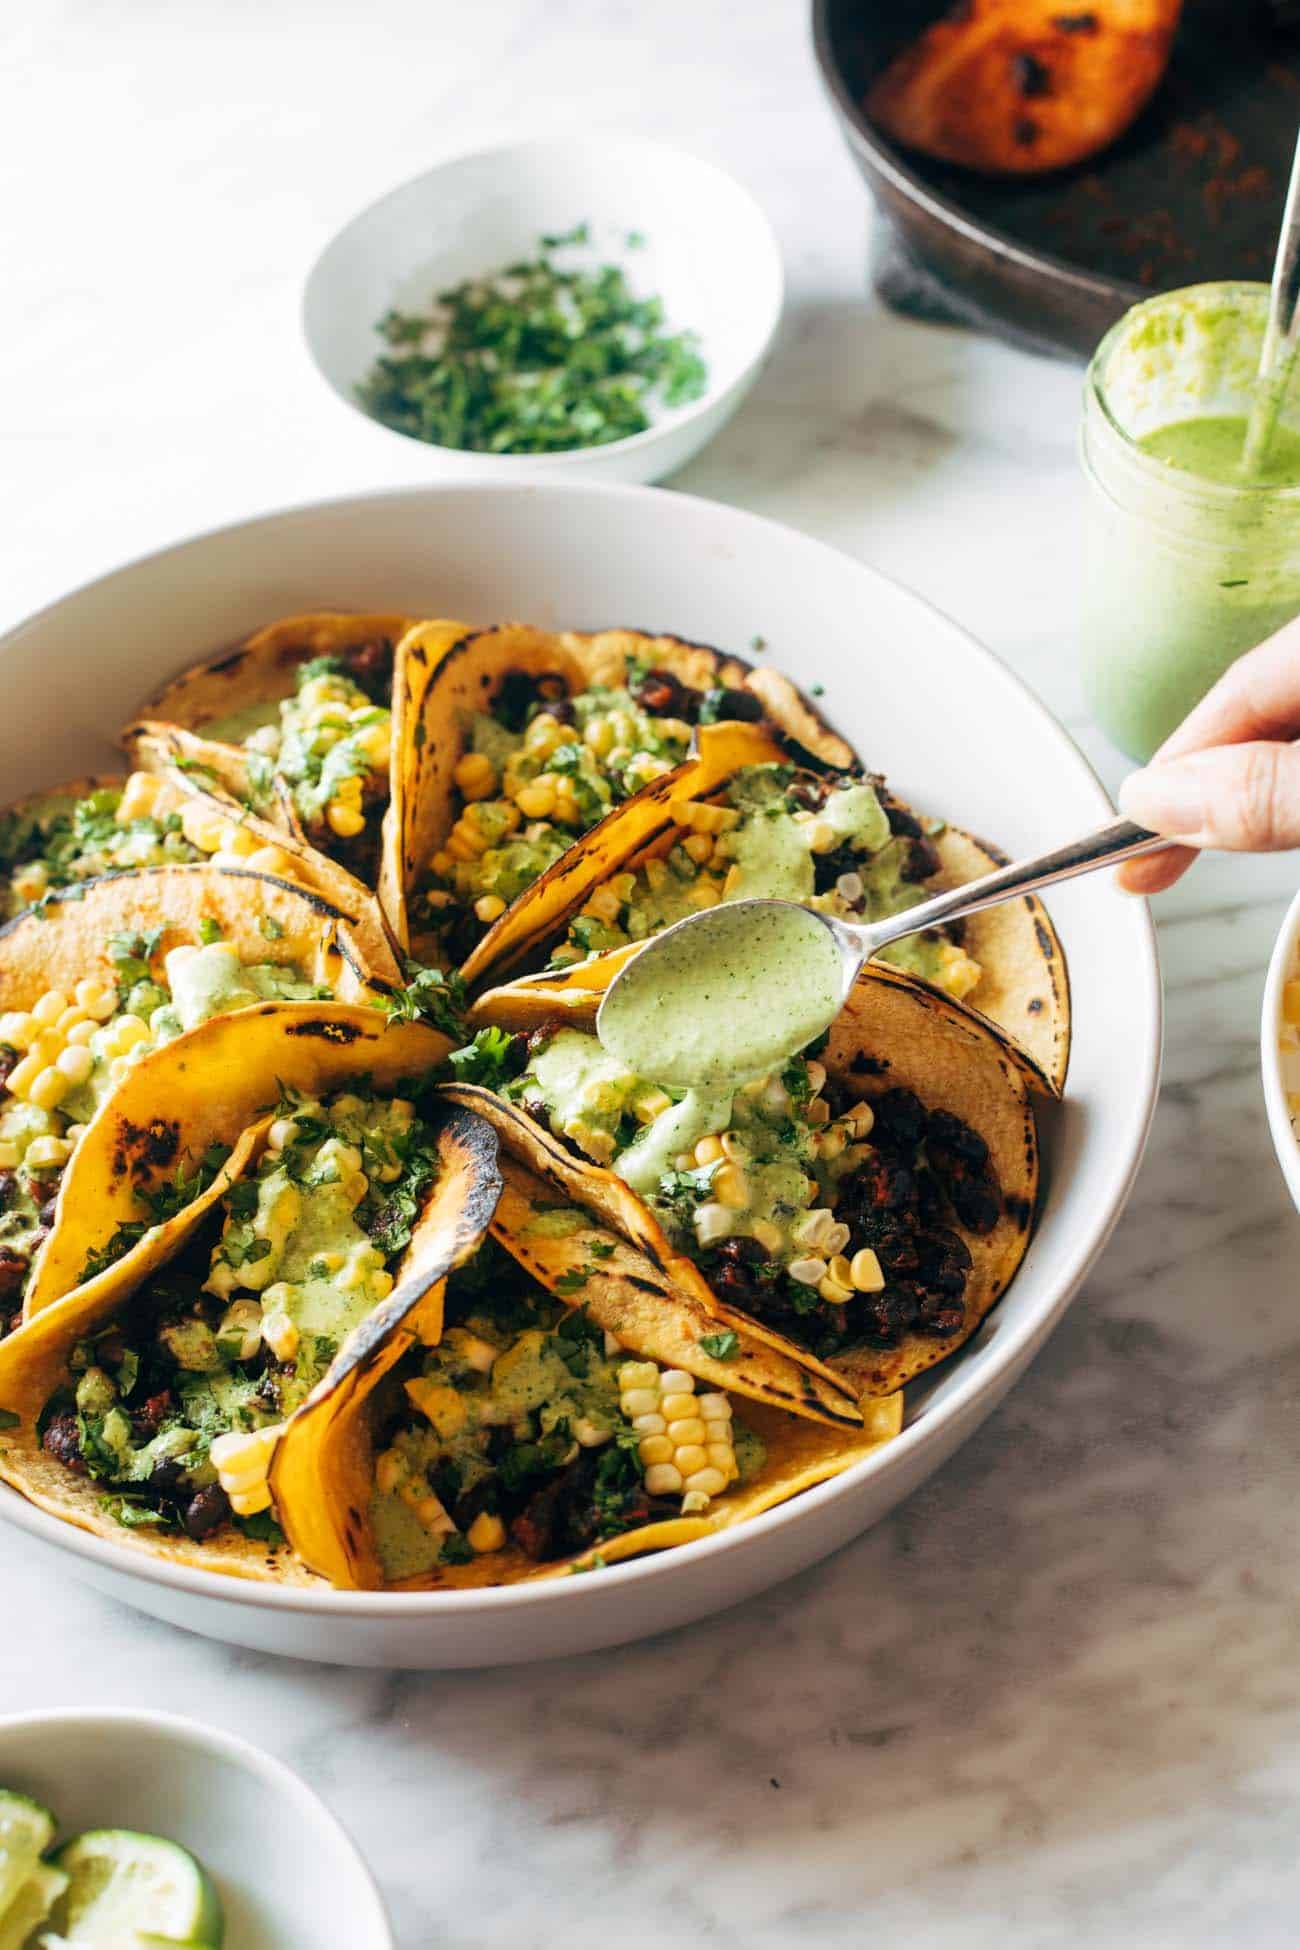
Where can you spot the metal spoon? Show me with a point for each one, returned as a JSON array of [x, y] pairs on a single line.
[[742, 1023], [1281, 335]]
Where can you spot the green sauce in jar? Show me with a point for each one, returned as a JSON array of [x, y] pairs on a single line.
[[1190, 562]]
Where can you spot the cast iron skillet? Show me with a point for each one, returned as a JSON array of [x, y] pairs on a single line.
[[1194, 190]]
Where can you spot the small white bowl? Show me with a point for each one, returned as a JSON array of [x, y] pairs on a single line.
[[1280, 1049], [709, 253], [287, 1872]]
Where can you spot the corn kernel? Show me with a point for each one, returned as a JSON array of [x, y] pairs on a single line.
[[475, 776], [344, 820], [48, 1153], [698, 847], [768, 1235], [704, 1482], [537, 801], [273, 860], [833, 1293], [486, 1533], [708, 1151], [865, 1271], [97, 999], [49, 1089], [50, 1007], [677, 1408], [655, 1449], [76, 1063], [9, 1157], [651, 1105], [201, 826], [18, 1028], [730, 1187], [662, 1479], [489, 908], [808, 1269], [689, 1428]]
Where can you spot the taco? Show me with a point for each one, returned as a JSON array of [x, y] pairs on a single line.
[[296, 725], [146, 1403], [567, 1404], [104, 972], [515, 741], [869, 1204], [739, 820]]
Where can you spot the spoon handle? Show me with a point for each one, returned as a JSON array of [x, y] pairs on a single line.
[[1121, 840]]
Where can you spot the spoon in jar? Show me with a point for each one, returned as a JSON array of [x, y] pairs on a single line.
[[1281, 336], [735, 991]]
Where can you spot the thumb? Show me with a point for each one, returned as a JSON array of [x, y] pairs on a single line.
[[1244, 798]]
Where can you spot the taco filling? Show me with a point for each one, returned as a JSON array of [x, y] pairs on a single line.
[[828, 1218], [832, 841], [542, 765], [60, 1059], [327, 745], [146, 821], [527, 1425], [176, 1405]]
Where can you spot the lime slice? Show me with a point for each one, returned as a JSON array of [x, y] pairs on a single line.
[[31, 1905], [123, 1886], [26, 1831]]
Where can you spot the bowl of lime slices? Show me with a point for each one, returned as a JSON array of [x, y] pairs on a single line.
[[136, 1831]]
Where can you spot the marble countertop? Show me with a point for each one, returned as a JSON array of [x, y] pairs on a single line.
[[1052, 1699]]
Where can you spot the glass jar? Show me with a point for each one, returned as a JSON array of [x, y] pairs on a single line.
[[1183, 573]]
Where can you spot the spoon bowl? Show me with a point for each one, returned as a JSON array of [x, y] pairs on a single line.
[[737, 990]]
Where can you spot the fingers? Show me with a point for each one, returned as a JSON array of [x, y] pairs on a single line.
[[1244, 798], [1152, 873], [1257, 697]]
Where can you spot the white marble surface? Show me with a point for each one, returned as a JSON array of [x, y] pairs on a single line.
[[1053, 1699]]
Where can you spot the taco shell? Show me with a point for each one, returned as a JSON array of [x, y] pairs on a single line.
[[894, 1032], [34, 1360]]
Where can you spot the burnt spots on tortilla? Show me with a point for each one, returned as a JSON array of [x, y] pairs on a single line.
[[341, 1033], [869, 1066], [1035, 1005], [228, 665], [1043, 936], [142, 1149], [643, 1286], [1018, 1210]]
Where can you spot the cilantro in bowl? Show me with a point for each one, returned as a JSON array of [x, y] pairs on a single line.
[[535, 358]]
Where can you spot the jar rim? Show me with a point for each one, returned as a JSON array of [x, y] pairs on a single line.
[[1180, 479]]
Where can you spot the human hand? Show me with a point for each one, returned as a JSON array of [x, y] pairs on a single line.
[[1230, 775]]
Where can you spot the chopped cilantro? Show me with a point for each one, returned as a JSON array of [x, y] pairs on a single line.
[[270, 927], [720, 1346], [486, 1060], [570, 1283], [456, 1549], [209, 931], [134, 1513], [262, 1528], [429, 996], [534, 359]]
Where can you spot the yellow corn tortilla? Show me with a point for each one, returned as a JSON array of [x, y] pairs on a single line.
[[323, 1469], [446, 671], [180, 756], [893, 1032], [34, 1361], [1023, 988], [205, 1089]]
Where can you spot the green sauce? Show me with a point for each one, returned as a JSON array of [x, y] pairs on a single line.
[[1212, 448], [730, 999]]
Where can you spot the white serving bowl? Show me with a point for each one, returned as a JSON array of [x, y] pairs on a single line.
[[287, 1872], [709, 253], [1279, 1060], [955, 731]]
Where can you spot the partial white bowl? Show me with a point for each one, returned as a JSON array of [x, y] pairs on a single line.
[[954, 730], [287, 1872], [709, 253], [1279, 1049]]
